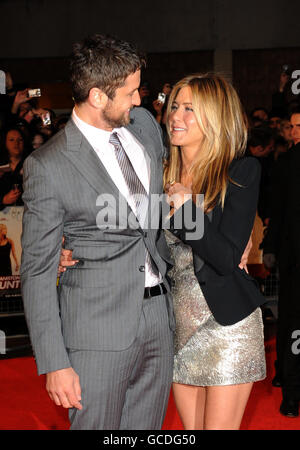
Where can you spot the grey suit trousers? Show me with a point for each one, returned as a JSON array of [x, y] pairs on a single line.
[[107, 377]]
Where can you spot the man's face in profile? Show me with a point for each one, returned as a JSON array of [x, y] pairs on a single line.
[[295, 128], [117, 111]]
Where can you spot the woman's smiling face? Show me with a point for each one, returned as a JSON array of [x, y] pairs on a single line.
[[184, 128]]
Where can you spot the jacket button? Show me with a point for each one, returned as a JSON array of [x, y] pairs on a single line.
[[142, 268]]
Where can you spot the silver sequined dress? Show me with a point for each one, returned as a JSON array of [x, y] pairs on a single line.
[[207, 353]]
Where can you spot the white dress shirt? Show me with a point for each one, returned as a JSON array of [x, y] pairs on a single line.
[[139, 158]]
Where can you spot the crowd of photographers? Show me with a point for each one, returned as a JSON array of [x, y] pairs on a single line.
[[24, 127]]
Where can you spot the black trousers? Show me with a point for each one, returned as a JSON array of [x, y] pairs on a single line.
[[288, 333]]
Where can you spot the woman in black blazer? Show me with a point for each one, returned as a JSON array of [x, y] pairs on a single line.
[[219, 341]]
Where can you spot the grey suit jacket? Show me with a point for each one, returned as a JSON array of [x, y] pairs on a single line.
[[97, 304]]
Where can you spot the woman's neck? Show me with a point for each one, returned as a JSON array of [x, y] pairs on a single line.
[[14, 162], [188, 156]]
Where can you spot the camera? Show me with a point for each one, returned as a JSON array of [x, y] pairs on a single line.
[[46, 119], [34, 92], [161, 97]]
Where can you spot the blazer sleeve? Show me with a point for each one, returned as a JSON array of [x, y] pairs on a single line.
[[41, 244], [222, 247]]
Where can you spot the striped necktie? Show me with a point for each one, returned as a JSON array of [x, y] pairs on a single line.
[[135, 187]]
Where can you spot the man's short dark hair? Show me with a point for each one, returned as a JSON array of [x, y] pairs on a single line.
[[258, 108], [103, 62]]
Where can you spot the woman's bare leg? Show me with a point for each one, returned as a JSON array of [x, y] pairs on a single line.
[[190, 404], [225, 406]]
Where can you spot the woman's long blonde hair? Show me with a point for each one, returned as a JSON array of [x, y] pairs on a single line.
[[221, 118]]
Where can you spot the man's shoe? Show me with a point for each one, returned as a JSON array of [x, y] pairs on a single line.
[[289, 408], [276, 382]]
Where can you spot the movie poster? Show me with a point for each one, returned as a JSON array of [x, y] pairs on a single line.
[[10, 251]]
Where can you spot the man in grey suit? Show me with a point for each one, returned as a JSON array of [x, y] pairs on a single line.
[[104, 336]]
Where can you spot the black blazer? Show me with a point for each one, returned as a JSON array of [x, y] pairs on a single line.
[[282, 237], [230, 292]]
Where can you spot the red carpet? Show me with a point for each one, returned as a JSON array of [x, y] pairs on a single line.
[[25, 405]]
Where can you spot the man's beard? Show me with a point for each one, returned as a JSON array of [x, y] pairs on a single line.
[[115, 122]]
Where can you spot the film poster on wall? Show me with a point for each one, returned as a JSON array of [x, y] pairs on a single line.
[[10, 251]]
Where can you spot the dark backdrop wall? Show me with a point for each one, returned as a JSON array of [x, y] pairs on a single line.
[[41, 28], [51, 74], [179, 36], [256, 73]]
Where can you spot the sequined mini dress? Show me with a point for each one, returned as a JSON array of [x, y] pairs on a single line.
[[207, 353]]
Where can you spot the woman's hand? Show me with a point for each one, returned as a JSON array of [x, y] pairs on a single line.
[[178, 194], [65, 260], [245, 255]]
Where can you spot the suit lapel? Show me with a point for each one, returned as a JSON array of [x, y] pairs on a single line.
[[83, 157]]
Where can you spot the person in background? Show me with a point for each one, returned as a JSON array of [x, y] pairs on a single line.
[[11, 182], [259, 117], [275, 118], [145, 95], [60, 122], [160, 107], [281, 146], [285, 131], [261, 146], [284, 99], [23, 105], [11, 103], [160, 110], [281, 246], [44, 122], [38, 140]]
